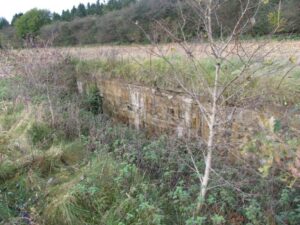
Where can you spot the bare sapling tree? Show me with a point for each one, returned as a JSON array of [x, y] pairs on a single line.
[[227, 91]]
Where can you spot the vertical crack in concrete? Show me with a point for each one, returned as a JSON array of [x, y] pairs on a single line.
[[138, 106]]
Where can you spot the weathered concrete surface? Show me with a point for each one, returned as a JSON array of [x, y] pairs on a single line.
[[170, 112], [156, 110]]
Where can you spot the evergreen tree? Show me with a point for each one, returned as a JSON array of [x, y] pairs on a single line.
[[73, 12], [15, 17], [114, 5], [56, 17], [3, 23], [99, 8], [66, 15], [81, 11], [93, 9], [88, 9]]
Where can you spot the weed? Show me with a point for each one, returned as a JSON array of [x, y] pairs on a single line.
[[92, 100], [40, 135]]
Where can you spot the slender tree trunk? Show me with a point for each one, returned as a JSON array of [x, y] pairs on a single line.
[[210, 141], [212, 116]]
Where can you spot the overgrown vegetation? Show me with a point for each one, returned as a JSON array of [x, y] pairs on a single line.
[[63, 162], [159, 73]]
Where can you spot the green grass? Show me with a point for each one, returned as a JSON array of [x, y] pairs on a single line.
[[5, 91], [258, 80], [101, 193], [63, 183], [113, 175]]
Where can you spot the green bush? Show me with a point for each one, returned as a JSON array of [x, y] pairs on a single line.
[[40, 135], [289, 206], [93, 101]]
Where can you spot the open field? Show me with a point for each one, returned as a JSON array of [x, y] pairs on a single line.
[[270, 48], [283, 50], [273, 49]]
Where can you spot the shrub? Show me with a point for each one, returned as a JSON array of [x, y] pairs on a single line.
[[289, 204], [92, 100], [40, 135]]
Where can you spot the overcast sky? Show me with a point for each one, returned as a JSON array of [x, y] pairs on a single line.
[[8, 8]]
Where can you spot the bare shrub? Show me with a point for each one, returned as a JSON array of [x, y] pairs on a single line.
[[236, 67]]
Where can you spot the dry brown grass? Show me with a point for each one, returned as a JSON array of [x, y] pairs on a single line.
[[282, 49], [273, 48]]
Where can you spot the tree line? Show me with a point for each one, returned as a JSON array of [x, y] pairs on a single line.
[[91, 9], [140, 21], [81, 10]]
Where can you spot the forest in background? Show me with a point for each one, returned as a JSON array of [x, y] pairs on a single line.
[[143, 21]]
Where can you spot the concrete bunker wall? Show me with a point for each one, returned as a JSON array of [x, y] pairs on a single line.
[[162, 111], [153, 109]]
